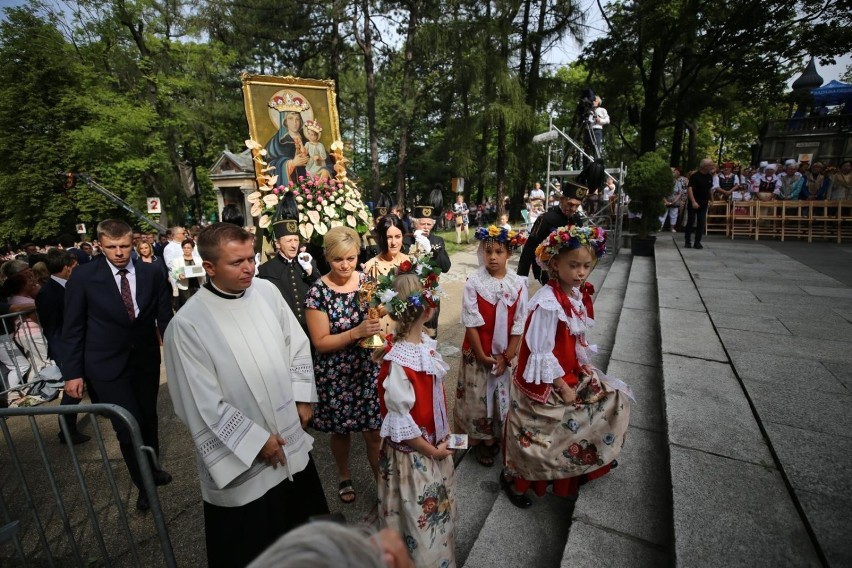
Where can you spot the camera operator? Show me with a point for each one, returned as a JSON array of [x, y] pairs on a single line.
[[598, 117]]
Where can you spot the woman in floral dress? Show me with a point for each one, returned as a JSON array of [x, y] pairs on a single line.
[[345, 373]]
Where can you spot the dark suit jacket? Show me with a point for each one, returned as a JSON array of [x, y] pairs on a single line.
[[292, 281], [439, 250], [50, 303], [541, 229], [98, 335]]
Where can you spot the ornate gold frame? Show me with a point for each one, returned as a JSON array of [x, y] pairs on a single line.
[[259, 89]]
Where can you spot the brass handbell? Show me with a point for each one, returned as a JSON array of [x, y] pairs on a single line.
[[365, 294]]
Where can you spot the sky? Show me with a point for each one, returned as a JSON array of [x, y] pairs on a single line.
[[569, 50]]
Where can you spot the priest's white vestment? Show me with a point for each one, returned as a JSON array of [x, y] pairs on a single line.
[[236, 368]]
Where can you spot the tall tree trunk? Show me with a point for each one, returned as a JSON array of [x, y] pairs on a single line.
[[334, 56], [408, 100], [366, 45], [502, 127]]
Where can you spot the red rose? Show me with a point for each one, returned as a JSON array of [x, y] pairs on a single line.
[[589, 457], [432, 278], [429, 505], [574, 449], [525, 441], [405, 266]]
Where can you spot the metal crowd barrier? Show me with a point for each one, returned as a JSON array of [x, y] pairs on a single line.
[[61, 505]]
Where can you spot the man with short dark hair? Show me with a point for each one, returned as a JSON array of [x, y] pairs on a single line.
[[698, 193], [113, 308], [241, 379], [50, 305]]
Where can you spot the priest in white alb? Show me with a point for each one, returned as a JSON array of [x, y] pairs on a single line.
[[241, 379]]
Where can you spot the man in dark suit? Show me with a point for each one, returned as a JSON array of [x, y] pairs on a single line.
[[113, 308], [50, 304], [424, 221]]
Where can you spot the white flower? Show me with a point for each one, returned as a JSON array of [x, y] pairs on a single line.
[[256, 209], [330, 212], [263, 222], [270, 199], [335, 223], [254, 197], [306, 230], [299, 199], [387, 296], [253, 145], [350, 220], [336, 145], [322, 229], [314, 217], [363, 215]]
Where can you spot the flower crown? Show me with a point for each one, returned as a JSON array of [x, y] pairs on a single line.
[[570, 237], [511, 239], [313, 125], [428, 274]]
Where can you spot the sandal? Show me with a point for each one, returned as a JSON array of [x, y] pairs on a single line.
[[484, 455], [345, 490]]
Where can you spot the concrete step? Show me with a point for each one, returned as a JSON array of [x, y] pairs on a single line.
[[624, 518], [489, 526], [730, 504]]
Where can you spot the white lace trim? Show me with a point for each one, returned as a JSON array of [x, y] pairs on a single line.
[[491, 289], [577, 324], [420, 358], [542, 368], [399, 428], [472, 319]]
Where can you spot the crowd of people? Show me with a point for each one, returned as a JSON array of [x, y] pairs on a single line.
[[794, 181], [255, 357]]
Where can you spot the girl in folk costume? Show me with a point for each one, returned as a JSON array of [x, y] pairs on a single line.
[[494, 312], [415, 485], [567, 420]]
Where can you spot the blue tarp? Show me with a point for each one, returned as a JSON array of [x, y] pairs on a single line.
[[832, 93]]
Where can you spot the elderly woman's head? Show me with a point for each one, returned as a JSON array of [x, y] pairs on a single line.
[[389, 233]]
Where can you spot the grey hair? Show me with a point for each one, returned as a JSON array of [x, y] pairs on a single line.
[[12, 267], [323, 544]]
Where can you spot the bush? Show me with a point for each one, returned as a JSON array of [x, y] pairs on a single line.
[[649, 181]]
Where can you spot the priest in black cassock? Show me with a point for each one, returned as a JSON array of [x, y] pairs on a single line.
[[291, 271], [566, 213]]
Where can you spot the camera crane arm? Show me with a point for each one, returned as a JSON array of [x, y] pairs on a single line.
[[71, 179]]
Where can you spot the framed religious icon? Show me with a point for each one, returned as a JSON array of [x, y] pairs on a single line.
[[296, 122]]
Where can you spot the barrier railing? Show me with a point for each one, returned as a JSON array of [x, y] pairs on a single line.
[[62, 505]]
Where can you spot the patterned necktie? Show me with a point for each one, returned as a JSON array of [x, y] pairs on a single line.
[[126, 296]]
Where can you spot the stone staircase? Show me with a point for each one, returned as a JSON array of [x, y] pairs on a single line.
[[621, 519]]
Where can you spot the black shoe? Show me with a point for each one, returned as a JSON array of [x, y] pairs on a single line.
[[688, 245], [76, 438], [521, 501], [142, 502], [698, 246], [161, 477]]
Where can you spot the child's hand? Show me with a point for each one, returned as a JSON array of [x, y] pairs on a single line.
[[442, 451], [567, 394], [490, 361], [500, 366]]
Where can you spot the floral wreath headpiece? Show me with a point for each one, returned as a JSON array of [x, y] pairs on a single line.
[[512, 239], [313, 125], [570, 237], [428, 274]]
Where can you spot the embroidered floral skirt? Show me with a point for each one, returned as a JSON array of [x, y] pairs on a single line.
[[417, 498], [471, 412], [553, 440]]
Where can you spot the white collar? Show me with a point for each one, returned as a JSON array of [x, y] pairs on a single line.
[[59, 280], [419, 357], [130, 267], [492, 289]]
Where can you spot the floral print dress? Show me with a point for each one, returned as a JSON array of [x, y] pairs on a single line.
[[497, 308], [416, 493], [345, 379], [546, 439]]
